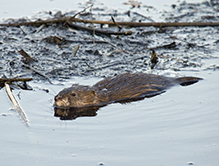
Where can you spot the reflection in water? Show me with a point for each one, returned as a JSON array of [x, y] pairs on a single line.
[[74, 112], [71, 113], [118, 90]]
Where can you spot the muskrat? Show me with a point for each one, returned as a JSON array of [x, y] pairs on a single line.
[[121, 88]]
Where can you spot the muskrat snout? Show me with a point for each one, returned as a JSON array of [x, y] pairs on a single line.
[[58, 101], [56, 98]]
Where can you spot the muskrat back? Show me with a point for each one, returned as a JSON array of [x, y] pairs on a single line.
[[122, 88]]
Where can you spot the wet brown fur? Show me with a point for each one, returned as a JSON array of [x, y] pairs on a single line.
[[122, 88]]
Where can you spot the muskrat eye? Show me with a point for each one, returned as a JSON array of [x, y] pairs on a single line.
[[73, 94]]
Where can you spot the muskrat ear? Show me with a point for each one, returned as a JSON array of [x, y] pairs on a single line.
[[74, 84]]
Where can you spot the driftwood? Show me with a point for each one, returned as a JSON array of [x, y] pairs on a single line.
[[16, 105], [3, 80]]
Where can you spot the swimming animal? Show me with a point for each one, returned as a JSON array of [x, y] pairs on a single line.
[[122, 88]]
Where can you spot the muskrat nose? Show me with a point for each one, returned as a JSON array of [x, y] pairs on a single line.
[[56, 98]]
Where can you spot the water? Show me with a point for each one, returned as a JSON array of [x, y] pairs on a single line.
[[24, 8], [179, 127], [174, 128]]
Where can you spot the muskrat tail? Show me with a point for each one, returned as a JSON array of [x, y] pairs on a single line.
[[184, 81]]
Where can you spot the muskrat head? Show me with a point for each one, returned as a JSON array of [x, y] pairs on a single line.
[[75, 96]]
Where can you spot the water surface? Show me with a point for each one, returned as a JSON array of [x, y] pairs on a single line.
[[174, 128]]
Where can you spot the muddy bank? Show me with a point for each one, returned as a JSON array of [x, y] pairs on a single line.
[[52, 46]]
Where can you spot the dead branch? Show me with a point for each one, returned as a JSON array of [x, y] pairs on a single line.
[[114, 64], [27, 57], [148, 18], [3, 80], [38, 23], [130, 24], [69, 18], [75, 50], [9, 65], [37, 72], [16, 105], [155, 24], [97, 31], [82, 11], [116, 23]]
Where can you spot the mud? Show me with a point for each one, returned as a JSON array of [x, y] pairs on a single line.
[[179, 48]]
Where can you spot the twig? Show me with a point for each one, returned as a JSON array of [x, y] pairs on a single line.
[[155, 24], [87, 63], [115, 51], [91, 16], [3, 80], [9, 65], [37, 72], [106, 41], [40, 28], [27, 57], [114, 64], [116, 23], [75, 50], [16, 105], [189, 44], [150, 19], [97, 31], [37, 23], [59, 40], [70, 18], [82, 11], [22, 30]]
